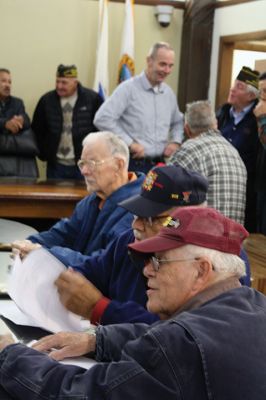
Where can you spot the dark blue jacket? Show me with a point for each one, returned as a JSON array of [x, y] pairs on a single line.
[[89, 230], [216, 351], [12, 106], [122, 281], [243, 136]]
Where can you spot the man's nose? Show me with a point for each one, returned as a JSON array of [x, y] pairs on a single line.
[[148, 270], [86, 170]]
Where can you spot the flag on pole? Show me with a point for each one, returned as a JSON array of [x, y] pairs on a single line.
[[101, 81], [126, 64]]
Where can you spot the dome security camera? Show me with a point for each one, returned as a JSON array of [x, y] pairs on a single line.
[[163, 15]]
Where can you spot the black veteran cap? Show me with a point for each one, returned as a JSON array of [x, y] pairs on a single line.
[[66, 71], [249, 76], [166, 187]]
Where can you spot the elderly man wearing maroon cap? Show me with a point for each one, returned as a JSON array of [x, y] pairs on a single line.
[[210, 344]]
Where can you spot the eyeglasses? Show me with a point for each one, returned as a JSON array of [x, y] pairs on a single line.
[[155, 262], [91, 164], [151, 220]]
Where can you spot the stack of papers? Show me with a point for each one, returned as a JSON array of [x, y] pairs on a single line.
[[31, 286], [36, 301]]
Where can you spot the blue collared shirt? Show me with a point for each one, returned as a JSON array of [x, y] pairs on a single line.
[[239, 116], [139, 112]]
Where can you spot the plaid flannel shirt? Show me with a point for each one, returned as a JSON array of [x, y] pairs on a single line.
[[216, 159]]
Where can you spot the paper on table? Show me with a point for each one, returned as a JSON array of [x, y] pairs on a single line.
[[10, 310], [81, 361], [31, 286]]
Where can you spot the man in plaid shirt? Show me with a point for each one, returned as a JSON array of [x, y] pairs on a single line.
[[207, 152]]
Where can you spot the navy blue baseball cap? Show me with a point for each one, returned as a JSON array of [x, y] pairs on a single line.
[[166, 187]]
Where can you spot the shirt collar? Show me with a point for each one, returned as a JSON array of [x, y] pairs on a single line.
[[245, 110], [71, 99], [147, 85], [210, 292]]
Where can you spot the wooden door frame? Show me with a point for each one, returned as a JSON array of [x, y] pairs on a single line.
[[243, 41]]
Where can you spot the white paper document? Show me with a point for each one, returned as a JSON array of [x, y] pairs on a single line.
[[31, 286]]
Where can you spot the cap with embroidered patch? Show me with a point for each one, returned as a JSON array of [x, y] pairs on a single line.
[[249, 76], [67, 71], [166, 187], [201, 226]]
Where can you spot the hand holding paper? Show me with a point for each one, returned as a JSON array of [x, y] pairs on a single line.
[[77, 293]]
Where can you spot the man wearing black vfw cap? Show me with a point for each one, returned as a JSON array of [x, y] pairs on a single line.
[[238, 125], [61, 120]]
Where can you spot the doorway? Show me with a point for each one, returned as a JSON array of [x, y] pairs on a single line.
[[253, 41]]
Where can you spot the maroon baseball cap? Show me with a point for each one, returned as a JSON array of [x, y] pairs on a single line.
[[201, 226]]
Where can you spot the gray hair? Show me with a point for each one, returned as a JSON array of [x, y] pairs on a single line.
[[253, 90], [200, 116], [4, 70], [223, 263], [157, 46], [115, 144]]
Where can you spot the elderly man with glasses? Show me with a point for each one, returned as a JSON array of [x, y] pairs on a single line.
[[98, 218], [210, 343], [112, 289]]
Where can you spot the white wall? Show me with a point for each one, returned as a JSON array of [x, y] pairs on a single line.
[[37, 35], [243, 18]]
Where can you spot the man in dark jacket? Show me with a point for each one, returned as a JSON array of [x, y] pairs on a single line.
[[17, 145], [114, 290], [61, 120], [238, 125], [210, 343]]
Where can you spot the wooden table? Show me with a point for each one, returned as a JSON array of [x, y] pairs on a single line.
[[25, 198]]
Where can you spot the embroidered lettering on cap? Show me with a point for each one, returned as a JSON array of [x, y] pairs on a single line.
[[149, 181]]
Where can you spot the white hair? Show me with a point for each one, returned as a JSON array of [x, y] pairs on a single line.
[[223, 263], [253, 90], [115, 144]]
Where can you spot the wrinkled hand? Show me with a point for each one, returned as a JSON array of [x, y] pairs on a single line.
[[170, 149], [15, 124], [23, 247], [77, 293], [136, 150], [66, 344], [260, 108], [5, 340]]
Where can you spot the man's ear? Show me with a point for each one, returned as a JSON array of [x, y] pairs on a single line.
[[120, 163], [204, 273], [251, 96], [188, 131]]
